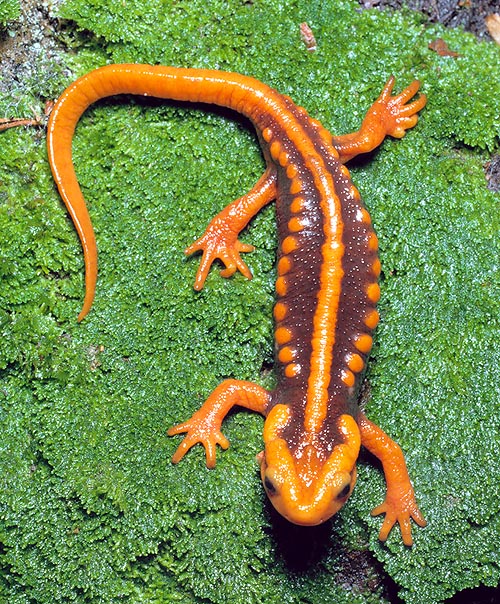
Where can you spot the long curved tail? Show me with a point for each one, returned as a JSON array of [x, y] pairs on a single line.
[[243, 94]]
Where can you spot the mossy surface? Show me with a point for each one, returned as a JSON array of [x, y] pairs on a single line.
[[91, 510], [9, 10]]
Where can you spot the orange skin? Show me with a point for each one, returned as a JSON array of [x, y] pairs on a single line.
[[326, 287]]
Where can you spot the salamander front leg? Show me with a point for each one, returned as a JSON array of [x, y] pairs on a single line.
[[220, 240], [205, 425], [399, 505]]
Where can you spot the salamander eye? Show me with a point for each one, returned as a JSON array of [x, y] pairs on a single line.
[[344, 492], [270, 487]]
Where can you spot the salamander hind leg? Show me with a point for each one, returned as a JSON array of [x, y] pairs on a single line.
[[400, 505], [204, 426], [220, 240], [389, 115], [395, 112]]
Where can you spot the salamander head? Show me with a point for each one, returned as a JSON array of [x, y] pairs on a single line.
[[310, 486]]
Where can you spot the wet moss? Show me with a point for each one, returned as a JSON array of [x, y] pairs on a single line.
[[9, 10]]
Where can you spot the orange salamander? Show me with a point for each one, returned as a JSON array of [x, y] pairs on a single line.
[[326, 287]]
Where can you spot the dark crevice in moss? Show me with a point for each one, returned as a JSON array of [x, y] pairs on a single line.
[[468, 14], [492, 171]]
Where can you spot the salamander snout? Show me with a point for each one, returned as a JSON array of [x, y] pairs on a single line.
[[305, 485]]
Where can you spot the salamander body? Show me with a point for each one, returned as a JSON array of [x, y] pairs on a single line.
[[326, 287]]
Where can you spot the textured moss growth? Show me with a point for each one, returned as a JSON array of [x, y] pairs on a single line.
[[9, 10], [91, 510]]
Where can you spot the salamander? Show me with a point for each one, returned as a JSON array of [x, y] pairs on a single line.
[[326, 286]]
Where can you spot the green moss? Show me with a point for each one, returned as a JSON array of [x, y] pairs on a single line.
[[91, 510], [9, 10]]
